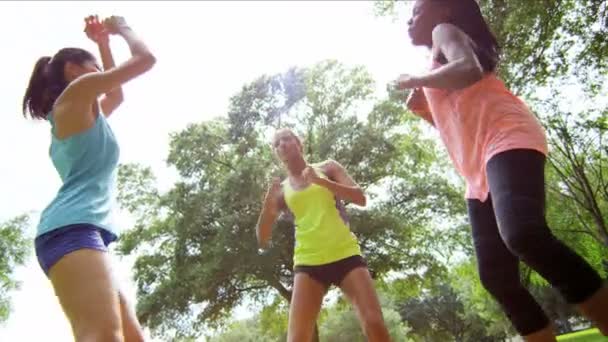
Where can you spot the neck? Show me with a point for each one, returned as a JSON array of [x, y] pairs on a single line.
[[296, 166]]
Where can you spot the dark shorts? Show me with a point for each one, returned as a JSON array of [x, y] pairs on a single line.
[[52, 246], [334, 272]]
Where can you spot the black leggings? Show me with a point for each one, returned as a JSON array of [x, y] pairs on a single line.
[[510, 226]]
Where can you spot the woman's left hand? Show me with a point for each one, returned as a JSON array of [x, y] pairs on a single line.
[[95, 30], [310, 175]]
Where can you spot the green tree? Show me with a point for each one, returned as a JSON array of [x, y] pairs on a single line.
[[197, 257], [338, 322], [479, 304], [274, 319], [341, 324], [579, 157], [440, 315], [242, 331], [14, 249]]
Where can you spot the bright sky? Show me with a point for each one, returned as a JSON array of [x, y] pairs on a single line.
[[206, 51]]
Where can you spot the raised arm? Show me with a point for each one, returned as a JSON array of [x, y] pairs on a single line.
[[91, 85], [96, 31]]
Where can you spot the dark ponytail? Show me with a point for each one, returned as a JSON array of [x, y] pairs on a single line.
[[48, 81], [35, 100]]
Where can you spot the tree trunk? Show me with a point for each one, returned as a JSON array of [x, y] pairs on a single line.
[[283, 291]]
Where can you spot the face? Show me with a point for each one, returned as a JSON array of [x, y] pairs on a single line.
[[74, 70], [286, 145], [426, 15]]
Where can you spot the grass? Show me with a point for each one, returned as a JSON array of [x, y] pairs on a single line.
[[591, 335]]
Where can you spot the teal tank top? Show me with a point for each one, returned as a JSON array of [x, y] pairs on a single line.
[[87, 164]]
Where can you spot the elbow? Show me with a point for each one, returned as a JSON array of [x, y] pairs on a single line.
[[119, 98], [360, 199], [474, 72], [148, 60], [363, 202], [151, 59]]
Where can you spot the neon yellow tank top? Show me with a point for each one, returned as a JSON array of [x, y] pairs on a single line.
[[322, 231]]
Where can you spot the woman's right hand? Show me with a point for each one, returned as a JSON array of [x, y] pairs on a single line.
[[416, 101], [114, 24]]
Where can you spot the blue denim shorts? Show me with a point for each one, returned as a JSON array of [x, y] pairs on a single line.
[[52, 246]]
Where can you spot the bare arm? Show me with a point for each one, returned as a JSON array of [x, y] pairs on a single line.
[[343, 187], [91, 85], [270, 212], [114, 98], [463, 68]]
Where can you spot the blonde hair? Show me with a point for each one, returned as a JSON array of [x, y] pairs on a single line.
[[292, 133]]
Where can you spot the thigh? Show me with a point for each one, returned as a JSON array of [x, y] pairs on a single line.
[[131, 328], [52, 246], [358, 287], [304, 308], [493, 256], [87, 293], [517, 184]]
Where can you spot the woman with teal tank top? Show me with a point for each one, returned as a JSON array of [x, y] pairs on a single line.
[[76, 227], [326, 251]]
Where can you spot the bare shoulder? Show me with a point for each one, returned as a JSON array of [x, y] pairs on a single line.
[[447, 30], [330, 167], [72, 113]]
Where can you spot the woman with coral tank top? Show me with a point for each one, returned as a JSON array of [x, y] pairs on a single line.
[[499, 148]]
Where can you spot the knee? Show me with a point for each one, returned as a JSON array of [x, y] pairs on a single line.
[[99, 331], [374, 327], [527, 239], [139, 337], [299, 335], [299, 338], [497, 283], [114, 335]]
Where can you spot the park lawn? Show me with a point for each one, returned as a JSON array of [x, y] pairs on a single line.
[[591, 335]]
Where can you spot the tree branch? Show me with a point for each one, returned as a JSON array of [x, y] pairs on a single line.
[[580, 231], [246, 289], [283, 291], [223, 163]]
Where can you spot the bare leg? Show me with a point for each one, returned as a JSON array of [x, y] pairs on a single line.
[[359, 288], [305, 305], [89, 297]]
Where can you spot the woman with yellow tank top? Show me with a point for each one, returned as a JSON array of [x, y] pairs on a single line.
[[326, 251]]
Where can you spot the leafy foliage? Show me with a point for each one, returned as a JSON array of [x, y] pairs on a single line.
[[14, 249], [197, 254]]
